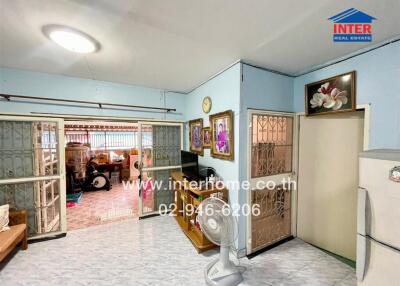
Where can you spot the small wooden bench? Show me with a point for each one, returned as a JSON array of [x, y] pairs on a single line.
[[17, 233]]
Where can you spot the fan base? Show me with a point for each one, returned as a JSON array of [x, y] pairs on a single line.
[[224, 275]]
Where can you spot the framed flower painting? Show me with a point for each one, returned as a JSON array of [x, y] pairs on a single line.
[[335, 94]]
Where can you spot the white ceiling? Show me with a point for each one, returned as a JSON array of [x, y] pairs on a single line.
[[176, 44]]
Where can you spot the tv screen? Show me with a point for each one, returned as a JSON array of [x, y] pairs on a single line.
[[190, 165]]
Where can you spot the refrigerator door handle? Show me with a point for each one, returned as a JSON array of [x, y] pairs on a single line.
[[362, 198], [362, 220], [361, 257]]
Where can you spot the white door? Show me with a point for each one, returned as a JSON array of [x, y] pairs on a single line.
[[160, 145], [270, 153], [32, 171], [329, 146]]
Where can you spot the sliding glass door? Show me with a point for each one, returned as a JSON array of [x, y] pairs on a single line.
[[32, 171], [159, 155]]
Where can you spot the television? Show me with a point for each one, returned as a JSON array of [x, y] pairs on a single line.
[[190, 165]]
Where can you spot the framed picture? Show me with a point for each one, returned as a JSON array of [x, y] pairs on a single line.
[[206, 137], [222, 142], [335, 94], [195, 136]]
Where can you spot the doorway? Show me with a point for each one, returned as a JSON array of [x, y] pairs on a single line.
[[136, 157], [328, 180], [101, 161]]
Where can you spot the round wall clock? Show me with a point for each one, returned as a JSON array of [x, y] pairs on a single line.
[[207, 103]]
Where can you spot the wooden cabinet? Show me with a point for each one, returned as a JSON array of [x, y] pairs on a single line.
[[187, 200]]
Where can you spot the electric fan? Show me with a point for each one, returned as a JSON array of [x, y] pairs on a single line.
[[220, 227]]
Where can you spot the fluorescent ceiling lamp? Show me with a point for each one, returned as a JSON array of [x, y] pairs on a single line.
[[71, 39]]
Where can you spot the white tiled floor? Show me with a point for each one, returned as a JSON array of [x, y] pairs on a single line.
[[155, 252]]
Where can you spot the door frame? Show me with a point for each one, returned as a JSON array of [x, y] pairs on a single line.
[[139, 121], [367, 123], [366, 135], [60, 176], [293, 202], [159, 123]]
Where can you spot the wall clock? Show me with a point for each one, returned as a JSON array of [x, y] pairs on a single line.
[[207, 103]]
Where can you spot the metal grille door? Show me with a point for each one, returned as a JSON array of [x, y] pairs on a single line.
[[160, 154], [32, 172], [273, 224], [270, 142]]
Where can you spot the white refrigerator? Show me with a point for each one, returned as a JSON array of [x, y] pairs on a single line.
[[378, 219]]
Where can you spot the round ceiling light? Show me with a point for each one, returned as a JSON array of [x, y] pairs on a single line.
[[71, 39]]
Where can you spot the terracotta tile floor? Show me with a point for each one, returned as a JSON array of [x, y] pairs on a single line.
[[103, 207]]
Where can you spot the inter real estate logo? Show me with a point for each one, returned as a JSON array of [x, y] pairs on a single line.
[[352, 25]]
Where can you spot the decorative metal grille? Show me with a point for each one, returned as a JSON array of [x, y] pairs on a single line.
[[166, 146], [161, 147], [16, 149], [271, 145], [42, 218], [165, 194], [273, 223], [21, 196]]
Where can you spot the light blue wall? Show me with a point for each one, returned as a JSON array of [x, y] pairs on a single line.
[[260, 89], [266, 90], [224, 91], [20, 82], [378, 76]]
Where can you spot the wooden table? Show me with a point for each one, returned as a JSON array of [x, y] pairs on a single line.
[[185, 194]]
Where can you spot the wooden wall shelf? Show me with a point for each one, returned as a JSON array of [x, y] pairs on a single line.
[[187, 195]]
